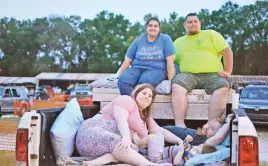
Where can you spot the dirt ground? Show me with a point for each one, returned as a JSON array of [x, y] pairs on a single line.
[[7, 158]]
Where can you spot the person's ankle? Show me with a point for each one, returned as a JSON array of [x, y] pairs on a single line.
[[181, 125]]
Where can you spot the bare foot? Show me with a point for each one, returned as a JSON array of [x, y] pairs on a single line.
[[84, 163]]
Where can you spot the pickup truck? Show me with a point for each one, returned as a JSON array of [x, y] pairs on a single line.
[[254, 100], [33, 145]]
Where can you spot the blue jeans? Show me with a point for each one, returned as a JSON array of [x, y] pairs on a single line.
[[134, 76], [183, 132]]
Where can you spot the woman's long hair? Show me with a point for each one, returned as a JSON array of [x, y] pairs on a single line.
[[147, 112]]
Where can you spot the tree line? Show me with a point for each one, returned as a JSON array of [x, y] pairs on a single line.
[[70, 44]]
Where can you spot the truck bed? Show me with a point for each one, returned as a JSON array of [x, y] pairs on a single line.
[[48, 117], [102, 96], [241, 126]]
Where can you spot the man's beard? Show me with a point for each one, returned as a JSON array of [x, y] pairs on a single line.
[[193, 33]]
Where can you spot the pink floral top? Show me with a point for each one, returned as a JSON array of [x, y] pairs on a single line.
[[136, 124]]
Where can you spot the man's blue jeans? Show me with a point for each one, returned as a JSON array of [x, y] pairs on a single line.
[[134, 76], [183, 132]]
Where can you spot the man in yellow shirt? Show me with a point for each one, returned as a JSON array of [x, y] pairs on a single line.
[[199, 55]]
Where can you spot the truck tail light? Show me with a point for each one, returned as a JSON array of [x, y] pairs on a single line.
[[22, 147], [248, 151]]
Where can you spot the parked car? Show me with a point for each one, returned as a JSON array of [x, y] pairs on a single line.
[[8, 96], [81, 91], [254, 99]]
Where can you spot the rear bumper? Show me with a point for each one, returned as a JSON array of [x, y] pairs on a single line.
[[259, 122], [3, 111], [258, 118]]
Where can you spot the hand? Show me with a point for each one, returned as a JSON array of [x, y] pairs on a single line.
[[135, 138], [180, 143], [135, 147], [115, 82], [229, 117], [225, 74], [125, 144]]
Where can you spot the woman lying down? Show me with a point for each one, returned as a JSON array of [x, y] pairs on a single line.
[[171, 154]]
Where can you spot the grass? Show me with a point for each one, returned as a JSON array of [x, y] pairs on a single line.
[[264, 163], [10, 119]]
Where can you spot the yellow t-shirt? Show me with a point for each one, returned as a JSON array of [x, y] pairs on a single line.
[[200, 53]]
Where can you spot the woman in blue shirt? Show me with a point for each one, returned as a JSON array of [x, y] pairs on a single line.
[[151, 57]]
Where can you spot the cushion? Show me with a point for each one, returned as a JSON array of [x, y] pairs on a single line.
[[164, 87], [104, 83], [64, 129]]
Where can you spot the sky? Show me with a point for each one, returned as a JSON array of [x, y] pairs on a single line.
[[133, 10]]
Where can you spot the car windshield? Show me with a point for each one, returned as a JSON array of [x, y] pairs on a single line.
[[1, 91], [81, 88], [255, 93]]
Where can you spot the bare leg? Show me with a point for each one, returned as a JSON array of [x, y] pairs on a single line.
[[178, 157], [218, 102], [132, 157], [156, 147], [105, 159], [179, 104]]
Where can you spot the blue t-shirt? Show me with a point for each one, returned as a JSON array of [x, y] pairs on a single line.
[[151, 55]]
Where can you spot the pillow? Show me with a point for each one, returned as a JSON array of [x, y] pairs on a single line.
[[64, 129], [104, 83], [164, 87]]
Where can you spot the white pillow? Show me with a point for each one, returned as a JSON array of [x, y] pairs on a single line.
[[64, 129], [164, 87]]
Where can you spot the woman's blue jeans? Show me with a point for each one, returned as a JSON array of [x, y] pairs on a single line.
[[134, 76]]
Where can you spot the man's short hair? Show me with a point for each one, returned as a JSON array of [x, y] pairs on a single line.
[[190, 14]]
